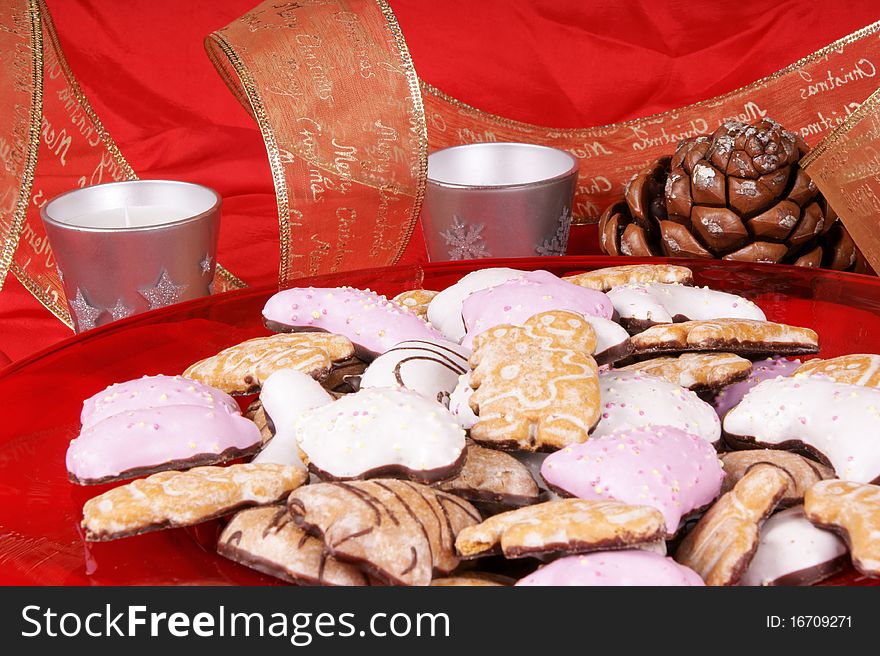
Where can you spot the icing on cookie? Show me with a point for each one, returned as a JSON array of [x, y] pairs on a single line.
[[606, 568], [855, 369], [459, 402], [379, 431], [535, 386], [514, 301], [610, 277], [285, 396], [634, 400], [794, 552], [369, 320], [659, 466], [731, 395], [444, 311], [152, 439], [838, 421], [656, 302], [153, 392], [429, 367]]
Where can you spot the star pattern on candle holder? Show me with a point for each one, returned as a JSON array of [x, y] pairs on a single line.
[[206, 263], [85, 314], [120, 310], [163, 293]]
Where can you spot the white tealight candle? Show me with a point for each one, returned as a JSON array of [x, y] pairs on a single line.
[[130, 216]]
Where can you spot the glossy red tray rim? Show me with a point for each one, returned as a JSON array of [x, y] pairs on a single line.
[[585, 262]]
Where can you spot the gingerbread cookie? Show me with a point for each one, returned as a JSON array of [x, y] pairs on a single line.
[[460, 402], [380, 432], [172, 499], [416, 301], [739, 336], [838, 423], [267, 540], [566, 526], [241, 369], [633, 400], [618, 568], [722, 544], [428, 367], [853, 511], [153, 392], [856, 369], [286, 395], [765, 369], [804, 472], [493, 477], [535, 386], [400, 532], [372, 322], [514, 301], [158, 437], [609, 277], [794, 552], [257, 414], [697, 372], [642, 305], [660, 466]]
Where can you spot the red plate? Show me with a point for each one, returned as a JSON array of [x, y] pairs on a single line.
[[40, 541]]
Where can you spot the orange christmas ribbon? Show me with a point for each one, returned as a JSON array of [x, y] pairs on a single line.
[[51, 141], [846, 167]]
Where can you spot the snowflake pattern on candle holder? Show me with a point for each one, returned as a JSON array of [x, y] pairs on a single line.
[[558, 243], [465, 241], [205, 264], [163, 293], [86, 316], [120, 310]]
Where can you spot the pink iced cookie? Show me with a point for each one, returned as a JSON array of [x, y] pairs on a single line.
[[661, 466], [148, 440], [514, 301], [370, 321], [151, 392], [730, 396], [607, 568]]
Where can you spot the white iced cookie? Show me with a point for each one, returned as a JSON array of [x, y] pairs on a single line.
[[379, 432], [429, 367], [444, 312], [641, 305], [633, 400], [794, 552], [838, 421], [612, 340], [285, 396], [459, 402]]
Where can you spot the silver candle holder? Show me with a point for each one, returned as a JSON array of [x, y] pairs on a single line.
[[498, 200], [127, 247]]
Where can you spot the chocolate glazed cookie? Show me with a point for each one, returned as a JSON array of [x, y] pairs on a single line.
[[400, 532], [428, 367]]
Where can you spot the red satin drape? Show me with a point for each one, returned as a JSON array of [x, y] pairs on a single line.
[[553, 62]]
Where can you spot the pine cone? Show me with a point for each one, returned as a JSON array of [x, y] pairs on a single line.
[[738, 194]]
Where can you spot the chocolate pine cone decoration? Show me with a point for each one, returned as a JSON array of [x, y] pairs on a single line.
[[737, 194]]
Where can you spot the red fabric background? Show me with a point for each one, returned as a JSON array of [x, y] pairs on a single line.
[[554, 62]]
